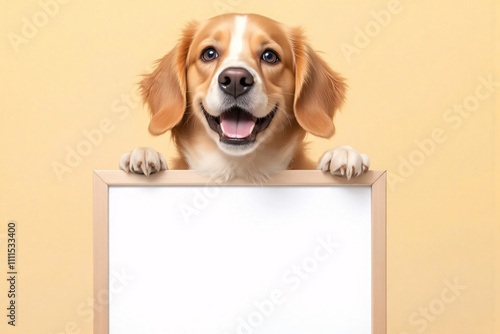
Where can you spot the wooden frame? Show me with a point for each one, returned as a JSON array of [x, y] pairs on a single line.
[[102, 180]]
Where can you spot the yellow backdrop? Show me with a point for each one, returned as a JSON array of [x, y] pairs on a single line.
[[421, 104]]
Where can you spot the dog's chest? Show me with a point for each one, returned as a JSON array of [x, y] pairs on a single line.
[[255, 167]]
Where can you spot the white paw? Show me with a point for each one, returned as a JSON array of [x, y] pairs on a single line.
[[143, 160], [344, 161]]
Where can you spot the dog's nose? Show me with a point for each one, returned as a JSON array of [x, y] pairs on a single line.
[[235, 81]]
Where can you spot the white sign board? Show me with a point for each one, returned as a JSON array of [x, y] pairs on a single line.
[[187, 257]]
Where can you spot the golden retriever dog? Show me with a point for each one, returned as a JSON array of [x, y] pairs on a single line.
[[239, 93]]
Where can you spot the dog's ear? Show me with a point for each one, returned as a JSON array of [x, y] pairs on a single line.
[[319, 91], [164, 89]]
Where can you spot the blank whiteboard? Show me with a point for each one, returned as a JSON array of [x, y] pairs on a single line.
[[174, 253]]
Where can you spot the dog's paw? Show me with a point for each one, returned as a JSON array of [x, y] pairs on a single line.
[[344, 161], [143, 160]]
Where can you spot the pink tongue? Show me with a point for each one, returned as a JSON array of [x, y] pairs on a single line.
[[237, 124]]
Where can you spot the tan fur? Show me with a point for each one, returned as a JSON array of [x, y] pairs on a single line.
[[319, 91]]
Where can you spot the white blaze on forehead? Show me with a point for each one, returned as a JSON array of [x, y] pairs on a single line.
[[257, 99], [236, 46]]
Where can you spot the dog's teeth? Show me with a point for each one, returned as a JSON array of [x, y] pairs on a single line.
[[222, 128]]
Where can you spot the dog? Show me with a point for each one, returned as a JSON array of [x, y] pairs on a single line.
[[239, 93]]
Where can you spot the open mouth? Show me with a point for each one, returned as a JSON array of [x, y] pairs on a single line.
[[237, 126]]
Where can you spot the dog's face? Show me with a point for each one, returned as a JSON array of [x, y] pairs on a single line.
[[246, 80], [240, 73]]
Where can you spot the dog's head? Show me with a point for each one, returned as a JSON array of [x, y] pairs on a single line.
[[245, 78]]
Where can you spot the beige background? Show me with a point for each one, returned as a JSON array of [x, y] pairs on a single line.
[[77, 71]]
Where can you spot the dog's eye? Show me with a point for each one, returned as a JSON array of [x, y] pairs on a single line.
[[270, 57], [209, 54]]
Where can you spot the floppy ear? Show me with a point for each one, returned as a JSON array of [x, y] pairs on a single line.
[[164, 90], [319, 91]]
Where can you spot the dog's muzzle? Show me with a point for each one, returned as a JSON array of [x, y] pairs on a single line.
[[236, 125]]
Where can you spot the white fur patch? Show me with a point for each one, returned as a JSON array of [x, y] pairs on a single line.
[[344, 161], [143, 160], [221, 167], [237, 37], [215, 96], [257, 101]]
